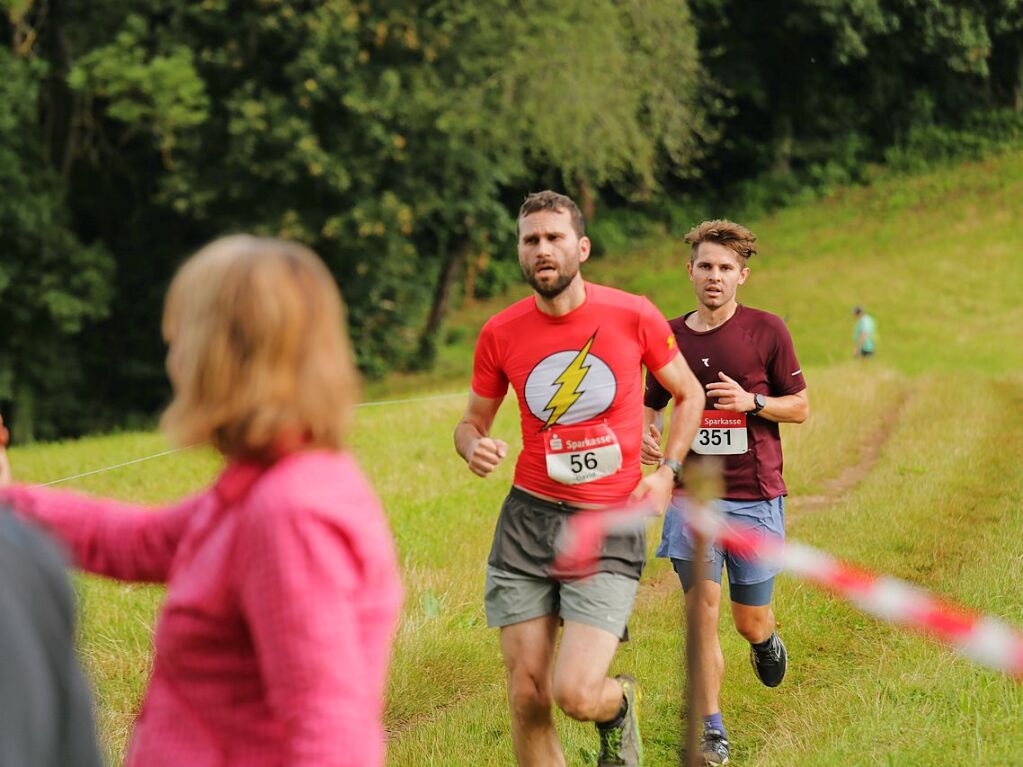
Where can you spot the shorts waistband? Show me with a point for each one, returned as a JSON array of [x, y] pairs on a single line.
[[526, 497]]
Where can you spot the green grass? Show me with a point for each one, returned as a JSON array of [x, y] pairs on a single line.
[[909, 465]]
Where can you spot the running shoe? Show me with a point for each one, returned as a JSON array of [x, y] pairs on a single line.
[[771, 662], [714, 747], [621, 745]]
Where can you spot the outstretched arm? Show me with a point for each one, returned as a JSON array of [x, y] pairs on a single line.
[[106, 537]]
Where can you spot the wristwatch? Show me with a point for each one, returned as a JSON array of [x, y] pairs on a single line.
[[759, 403], [675, 466]]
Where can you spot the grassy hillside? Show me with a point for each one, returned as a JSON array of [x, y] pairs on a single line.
[[934, 258], [909, 465]]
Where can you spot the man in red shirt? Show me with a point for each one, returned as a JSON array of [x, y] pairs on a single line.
[[745, 359], [574, 353]]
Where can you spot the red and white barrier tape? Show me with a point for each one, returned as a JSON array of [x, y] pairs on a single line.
[[983, 639]]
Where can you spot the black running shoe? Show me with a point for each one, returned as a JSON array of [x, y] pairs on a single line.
[[714, 747], [770, 663]]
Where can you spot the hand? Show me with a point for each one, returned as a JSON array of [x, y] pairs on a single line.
[[485, 455], [650, 453], [5, 467], [655, 488], [730, 396]]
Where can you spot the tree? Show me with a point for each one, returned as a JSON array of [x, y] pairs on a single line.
[[390, 137], [597, 93], [821, 78], [50, 281]]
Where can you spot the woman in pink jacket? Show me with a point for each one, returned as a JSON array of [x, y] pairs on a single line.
[[282, 584]]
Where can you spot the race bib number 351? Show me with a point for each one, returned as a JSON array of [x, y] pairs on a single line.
[[578, 454], [721, 433]]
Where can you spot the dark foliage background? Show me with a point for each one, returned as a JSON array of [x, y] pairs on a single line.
[[397, 139]]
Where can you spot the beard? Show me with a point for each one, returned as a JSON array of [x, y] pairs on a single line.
[[550, 289]]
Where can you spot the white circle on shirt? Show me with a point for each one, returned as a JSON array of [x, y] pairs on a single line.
[[592, 380]]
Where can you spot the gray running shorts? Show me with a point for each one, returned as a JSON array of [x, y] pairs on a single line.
[[519, 585], [603, 600]]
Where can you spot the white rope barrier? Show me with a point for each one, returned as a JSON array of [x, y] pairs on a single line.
[[378, 403]]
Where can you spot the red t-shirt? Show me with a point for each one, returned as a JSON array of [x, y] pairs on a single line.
[[574, 375], [755, 349]]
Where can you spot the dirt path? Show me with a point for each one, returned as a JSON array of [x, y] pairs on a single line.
[[836, 487]]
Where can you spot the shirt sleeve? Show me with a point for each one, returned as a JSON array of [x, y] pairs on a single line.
[[45, 702], [655, 396], [656, 337], [786, 376], [488, 377], [119, 540], [300, 573]]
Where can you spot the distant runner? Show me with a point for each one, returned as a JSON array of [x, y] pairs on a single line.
[[864, 334], [574, 353], [745, 359]]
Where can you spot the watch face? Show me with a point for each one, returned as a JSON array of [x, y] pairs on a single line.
[[760, 401]]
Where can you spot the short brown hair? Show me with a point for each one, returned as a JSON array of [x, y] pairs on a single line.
[[735, 237], [548, 200], [259, 349]]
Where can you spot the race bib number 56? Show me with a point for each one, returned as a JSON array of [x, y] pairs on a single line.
[[721, 433], [577, 454]]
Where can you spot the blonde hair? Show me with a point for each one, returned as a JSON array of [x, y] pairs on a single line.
[[735, 237], [259, 354]]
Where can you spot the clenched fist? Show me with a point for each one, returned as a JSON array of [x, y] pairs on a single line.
[[485, 455]]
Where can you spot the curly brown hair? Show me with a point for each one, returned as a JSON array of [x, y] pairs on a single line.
[[733, 236]]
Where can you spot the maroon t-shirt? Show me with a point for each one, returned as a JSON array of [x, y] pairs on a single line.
[[755, 349]]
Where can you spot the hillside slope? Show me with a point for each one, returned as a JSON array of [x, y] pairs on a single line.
[[908, 465]]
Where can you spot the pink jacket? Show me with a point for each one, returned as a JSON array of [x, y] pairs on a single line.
[[282, 598]]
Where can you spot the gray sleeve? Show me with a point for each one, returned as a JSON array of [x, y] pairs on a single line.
[[45, 705]]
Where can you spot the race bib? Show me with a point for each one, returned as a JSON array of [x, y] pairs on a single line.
[[578, 454], [721, 433]]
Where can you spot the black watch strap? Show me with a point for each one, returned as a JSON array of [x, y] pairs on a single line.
[[759, 403], [675, 466]]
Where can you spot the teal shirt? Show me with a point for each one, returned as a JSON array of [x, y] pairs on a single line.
[[865, 328]]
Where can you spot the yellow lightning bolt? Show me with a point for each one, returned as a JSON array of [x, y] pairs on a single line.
[[568, 385]]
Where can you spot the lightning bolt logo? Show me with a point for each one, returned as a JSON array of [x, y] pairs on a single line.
[[569, 381]]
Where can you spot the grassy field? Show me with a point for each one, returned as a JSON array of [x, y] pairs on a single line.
[[909, 464]]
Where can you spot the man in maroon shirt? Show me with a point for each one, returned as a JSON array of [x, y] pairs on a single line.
[[746, 362]]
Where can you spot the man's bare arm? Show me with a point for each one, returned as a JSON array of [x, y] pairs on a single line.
[[472, 436], [687, 408], [653, 427], [727, 394], [791, 408]]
